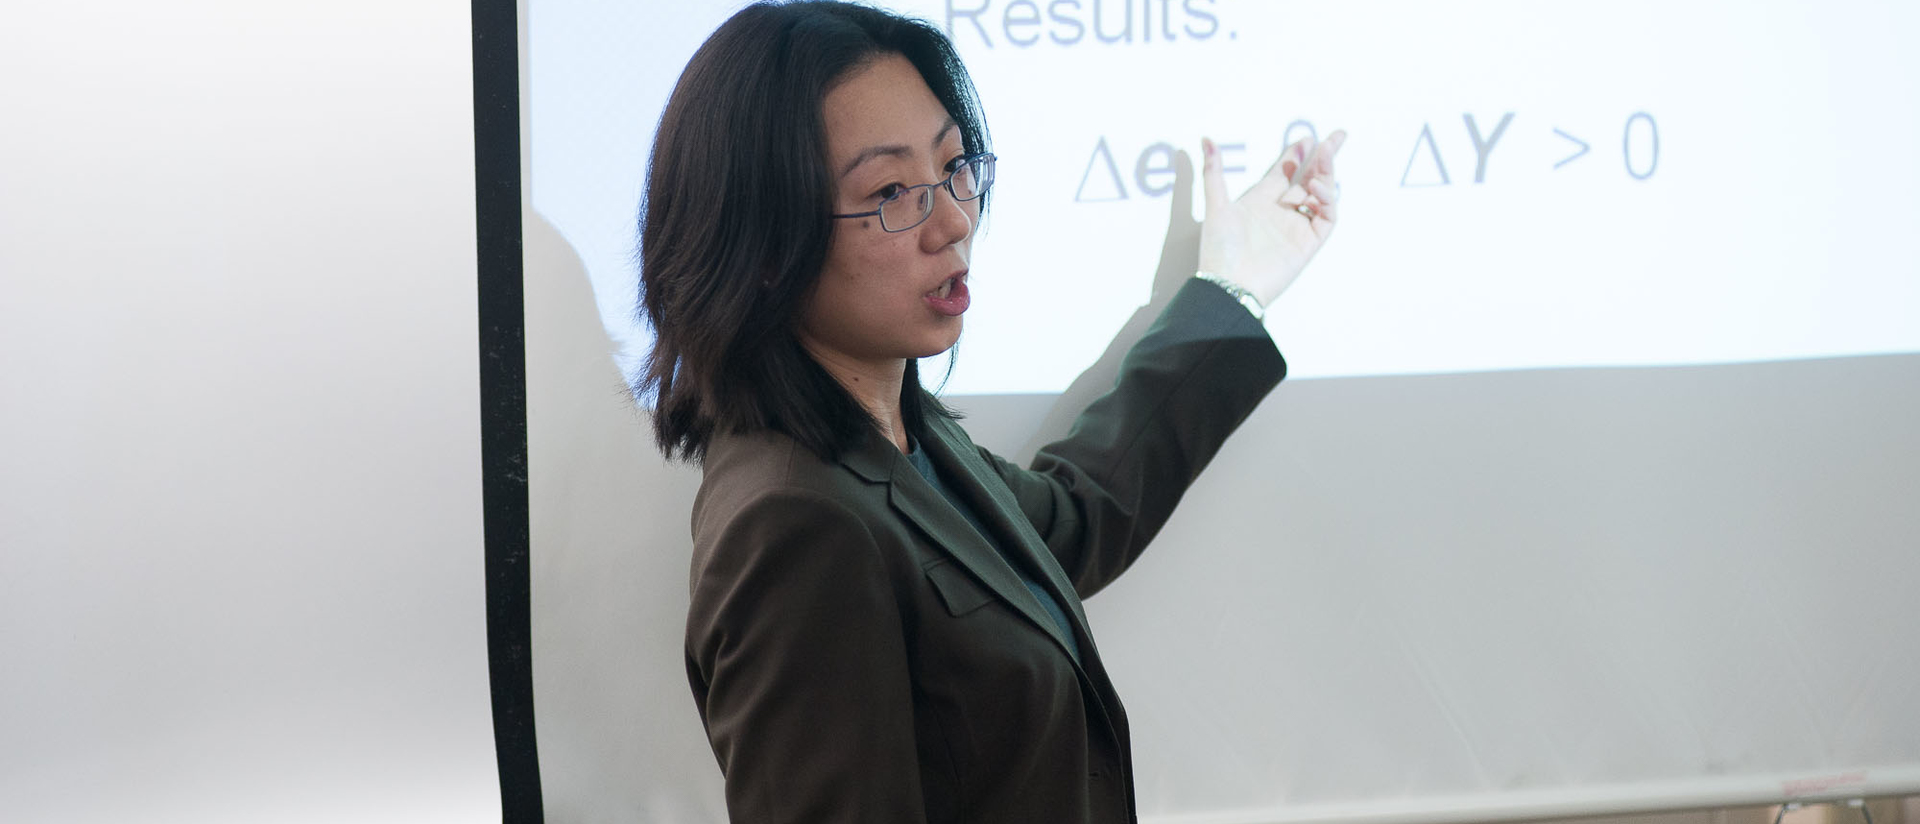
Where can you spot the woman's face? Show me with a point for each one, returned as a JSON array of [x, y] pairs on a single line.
[[884, 297]]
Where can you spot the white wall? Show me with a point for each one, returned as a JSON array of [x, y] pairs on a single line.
[[240, 538]]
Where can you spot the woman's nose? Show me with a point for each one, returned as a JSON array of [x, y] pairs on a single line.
[[952, 220]]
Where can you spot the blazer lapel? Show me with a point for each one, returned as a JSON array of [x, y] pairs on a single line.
[[969, 474], [920, 503]]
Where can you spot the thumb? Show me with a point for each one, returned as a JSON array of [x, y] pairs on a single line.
[[1213, 177]]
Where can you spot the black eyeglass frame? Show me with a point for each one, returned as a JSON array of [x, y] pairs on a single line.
[[991, 161]]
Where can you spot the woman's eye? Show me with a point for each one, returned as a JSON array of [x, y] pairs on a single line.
[[955, 164], [889, 190]]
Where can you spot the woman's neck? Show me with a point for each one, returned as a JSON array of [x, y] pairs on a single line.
[[875, 385]]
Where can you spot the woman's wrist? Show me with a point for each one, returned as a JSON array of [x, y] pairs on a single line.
[[1236, 291]]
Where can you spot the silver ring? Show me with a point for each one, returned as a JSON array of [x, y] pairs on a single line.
[[1305, 210]]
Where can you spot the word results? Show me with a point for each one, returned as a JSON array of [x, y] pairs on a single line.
[[1028, 23]]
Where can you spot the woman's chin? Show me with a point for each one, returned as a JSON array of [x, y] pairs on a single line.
[[939, 346]]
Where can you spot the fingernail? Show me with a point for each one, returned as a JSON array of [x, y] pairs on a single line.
[[1206, 145]]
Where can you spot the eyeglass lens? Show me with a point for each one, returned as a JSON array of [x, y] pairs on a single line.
[[969, 181]]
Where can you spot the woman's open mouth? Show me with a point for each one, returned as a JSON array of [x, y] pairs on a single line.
[[951, 298]]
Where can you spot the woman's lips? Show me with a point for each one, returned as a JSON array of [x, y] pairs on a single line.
[[951, 298]]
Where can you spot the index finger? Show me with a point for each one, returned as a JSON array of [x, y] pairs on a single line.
[[1322, 162]]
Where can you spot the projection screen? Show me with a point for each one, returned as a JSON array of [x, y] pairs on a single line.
[[1591, 487]]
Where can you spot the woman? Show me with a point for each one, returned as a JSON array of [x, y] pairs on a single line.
[[886, 620]]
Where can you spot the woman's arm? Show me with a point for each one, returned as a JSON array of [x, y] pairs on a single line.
[[1100, 494], [796, 653]]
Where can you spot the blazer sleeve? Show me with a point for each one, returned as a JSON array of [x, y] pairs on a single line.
[[1099, 496], [798, 661]]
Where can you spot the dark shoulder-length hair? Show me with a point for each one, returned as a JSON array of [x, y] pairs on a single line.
[[736, 219]]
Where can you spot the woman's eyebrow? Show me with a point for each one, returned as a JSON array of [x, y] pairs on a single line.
[[871, 152], [895, 149], [945, 129]]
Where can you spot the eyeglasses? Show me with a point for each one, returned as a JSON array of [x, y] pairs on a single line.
[[911, 206]]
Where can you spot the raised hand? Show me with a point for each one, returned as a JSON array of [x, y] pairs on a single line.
[[1263, 240]]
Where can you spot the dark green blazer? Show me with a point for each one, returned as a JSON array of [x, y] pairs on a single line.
[[859, 653]]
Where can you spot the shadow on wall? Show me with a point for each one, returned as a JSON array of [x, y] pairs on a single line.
[[1179, 257], [619, 739]]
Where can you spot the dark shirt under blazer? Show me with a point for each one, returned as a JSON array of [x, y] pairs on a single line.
[[860, 653]]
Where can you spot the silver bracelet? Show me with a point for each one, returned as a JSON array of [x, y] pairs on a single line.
[[1237, 292]]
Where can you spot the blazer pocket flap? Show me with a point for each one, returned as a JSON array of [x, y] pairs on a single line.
[[958, 589]]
